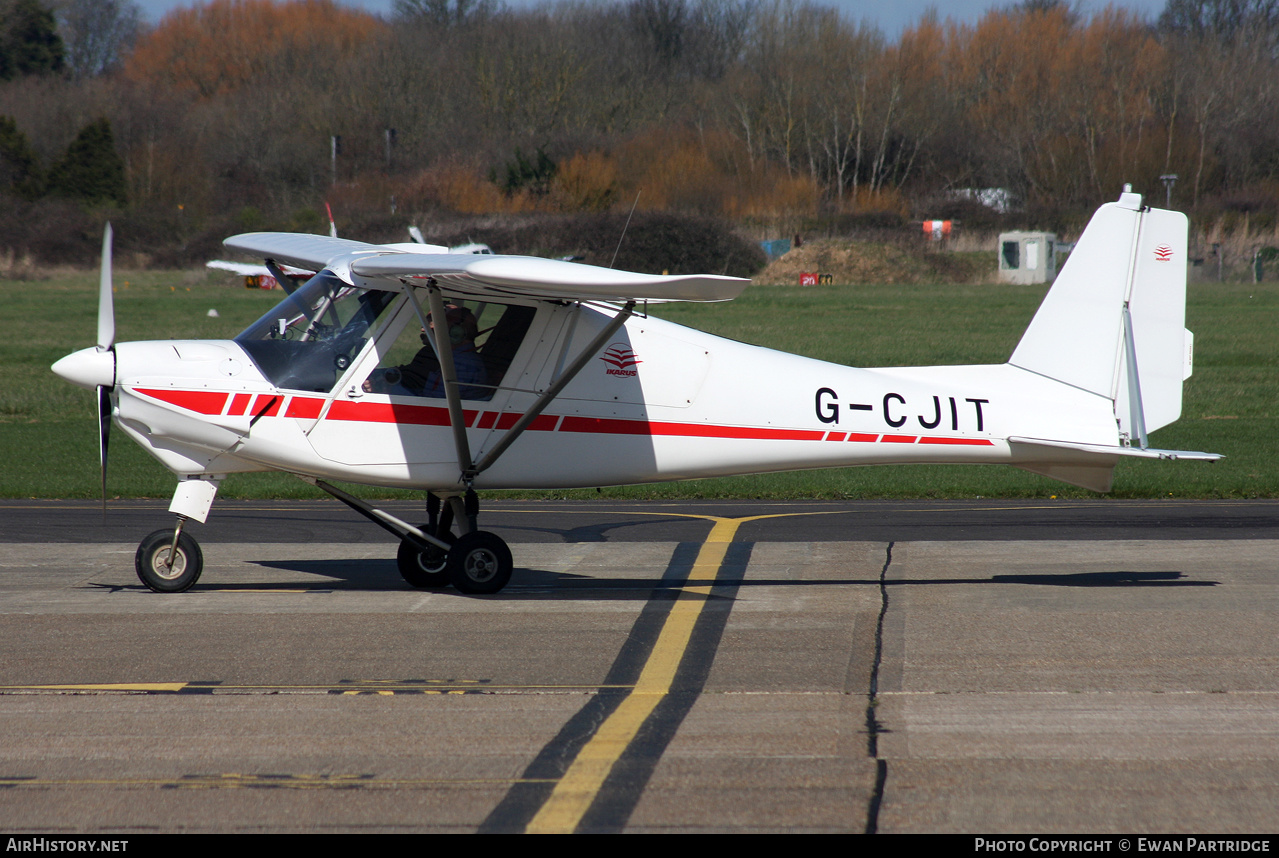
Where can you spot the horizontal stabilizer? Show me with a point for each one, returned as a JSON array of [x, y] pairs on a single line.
[[1089, 466], [1107, 450]]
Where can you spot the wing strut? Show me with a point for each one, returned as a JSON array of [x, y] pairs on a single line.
[[551, 392], [452, 394], [289, 286], [401, 529]]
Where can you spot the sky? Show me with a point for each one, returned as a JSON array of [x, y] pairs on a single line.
[[890, 15]]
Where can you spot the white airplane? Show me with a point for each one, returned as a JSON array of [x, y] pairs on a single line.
[[263, 276], [416, 235], [551, 376], [270, 275]]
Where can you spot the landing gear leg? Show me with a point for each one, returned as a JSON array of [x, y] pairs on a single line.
[[432, 510], [426, 567], [476, 562]]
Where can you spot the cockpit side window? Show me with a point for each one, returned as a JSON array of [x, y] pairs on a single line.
[[484, 337], [312, 336]]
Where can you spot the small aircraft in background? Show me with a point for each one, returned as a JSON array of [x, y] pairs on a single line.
[[270, 275], [412, 366], [482, 249], [261, 276]]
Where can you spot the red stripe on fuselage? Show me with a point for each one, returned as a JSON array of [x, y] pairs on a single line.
[[307, 407], [394, 412], [199, 401], [267, 406], [972, 442]]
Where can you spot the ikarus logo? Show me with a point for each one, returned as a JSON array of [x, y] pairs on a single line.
[[1163, 253], [621, 360]]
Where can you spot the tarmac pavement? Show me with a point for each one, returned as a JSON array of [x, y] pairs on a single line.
[[1099, 668]]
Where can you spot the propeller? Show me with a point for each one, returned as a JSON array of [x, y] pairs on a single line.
[[106, 306], [106, 343], [94, 368]]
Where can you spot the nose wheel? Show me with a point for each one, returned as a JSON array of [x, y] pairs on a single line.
[[168, 568]]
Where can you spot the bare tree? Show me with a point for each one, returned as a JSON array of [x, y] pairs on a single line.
[[98, 34], [445, 13], [1222, 20]]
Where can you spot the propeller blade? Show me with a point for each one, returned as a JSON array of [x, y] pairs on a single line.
[[106, 303], [104, 435]]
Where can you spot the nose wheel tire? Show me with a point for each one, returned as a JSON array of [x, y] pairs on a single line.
[[155, 570], [479, 563], [427, 569]]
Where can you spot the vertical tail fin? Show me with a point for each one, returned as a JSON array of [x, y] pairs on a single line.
[[1113, 323]]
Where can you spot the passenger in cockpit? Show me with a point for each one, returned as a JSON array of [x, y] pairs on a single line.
[[422, 376]]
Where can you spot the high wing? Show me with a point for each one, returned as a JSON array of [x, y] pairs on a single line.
[[311, 252], [381, 266]]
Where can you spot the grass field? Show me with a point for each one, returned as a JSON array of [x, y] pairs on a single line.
[[48, 445]]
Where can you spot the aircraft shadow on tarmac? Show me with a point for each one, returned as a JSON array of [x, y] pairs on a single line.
[[378, 575], [527, 583], [600, 531], [1105, 579]]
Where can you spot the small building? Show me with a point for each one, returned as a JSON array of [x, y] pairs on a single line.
[[1027, 257]]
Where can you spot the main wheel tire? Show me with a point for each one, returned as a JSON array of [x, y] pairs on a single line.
[[428, 568], [480, 563], [152, 562]]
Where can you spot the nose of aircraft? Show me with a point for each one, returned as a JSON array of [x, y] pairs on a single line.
[[88, 368]]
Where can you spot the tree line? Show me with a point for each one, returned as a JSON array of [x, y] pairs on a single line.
[[253, 113]]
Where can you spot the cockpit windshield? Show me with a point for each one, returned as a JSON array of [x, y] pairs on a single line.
[[312, 336]]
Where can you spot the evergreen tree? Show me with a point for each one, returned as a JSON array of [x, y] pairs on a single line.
[[29, 41], [524, 173], [19, 167], [90, 170]]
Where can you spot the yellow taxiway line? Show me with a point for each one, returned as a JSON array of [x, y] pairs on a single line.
[[579, 786]]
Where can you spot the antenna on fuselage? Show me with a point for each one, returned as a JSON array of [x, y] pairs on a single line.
[[626, 227]]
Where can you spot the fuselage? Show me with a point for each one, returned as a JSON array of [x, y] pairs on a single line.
[[660, 402]]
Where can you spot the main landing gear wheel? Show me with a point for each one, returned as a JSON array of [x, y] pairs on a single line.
[[479, 563], [427, 568], [154, 569]]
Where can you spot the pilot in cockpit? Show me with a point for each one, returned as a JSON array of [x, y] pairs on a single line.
[[422, 376]]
